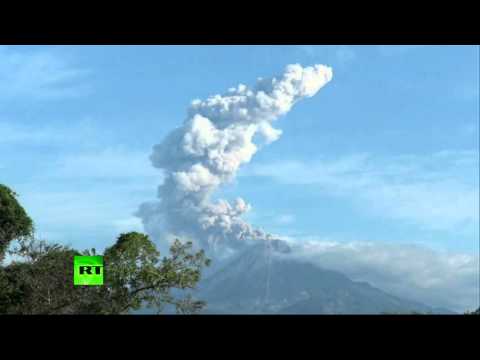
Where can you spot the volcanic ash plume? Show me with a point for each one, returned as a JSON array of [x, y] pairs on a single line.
[[207, 151]]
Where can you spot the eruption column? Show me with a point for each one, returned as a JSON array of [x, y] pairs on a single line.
[[206, 152]]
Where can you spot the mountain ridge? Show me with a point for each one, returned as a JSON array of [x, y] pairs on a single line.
[[264, 280]]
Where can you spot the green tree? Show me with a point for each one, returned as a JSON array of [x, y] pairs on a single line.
[[135, 275], [14, 221]]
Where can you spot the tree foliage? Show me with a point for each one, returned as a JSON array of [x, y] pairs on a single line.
[[14, 221], [135, 275]]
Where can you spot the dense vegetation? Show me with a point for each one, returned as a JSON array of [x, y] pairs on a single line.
[[39, 277], [14, 221]]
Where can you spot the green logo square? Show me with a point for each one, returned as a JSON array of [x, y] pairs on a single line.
[[88, 270]]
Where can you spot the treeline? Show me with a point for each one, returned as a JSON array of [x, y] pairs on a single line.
[[476, 312], [38, 278]]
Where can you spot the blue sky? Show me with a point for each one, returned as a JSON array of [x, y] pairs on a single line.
[[385, 153]]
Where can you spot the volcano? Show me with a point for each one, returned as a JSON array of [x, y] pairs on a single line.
[[266, 279]]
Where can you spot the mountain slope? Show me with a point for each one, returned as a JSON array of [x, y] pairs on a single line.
[[262, 281]]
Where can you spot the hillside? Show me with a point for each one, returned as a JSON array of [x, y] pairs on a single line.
[[249, 285]]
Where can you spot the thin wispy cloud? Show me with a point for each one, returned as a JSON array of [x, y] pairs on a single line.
[[82, 185], [109, 163], [11, 134], [39, 75], [66, 135], [436, 192], [84, 212]]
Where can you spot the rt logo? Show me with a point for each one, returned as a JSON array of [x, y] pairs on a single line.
[[88, 270]]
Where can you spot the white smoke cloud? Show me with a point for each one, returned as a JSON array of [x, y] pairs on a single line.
[[207, 151]]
